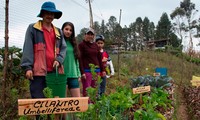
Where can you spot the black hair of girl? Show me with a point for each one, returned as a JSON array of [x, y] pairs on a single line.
[[72, 39]]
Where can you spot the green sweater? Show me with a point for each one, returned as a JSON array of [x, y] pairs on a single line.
[[71, 65]]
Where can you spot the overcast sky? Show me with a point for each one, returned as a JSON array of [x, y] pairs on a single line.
[[24, 12]]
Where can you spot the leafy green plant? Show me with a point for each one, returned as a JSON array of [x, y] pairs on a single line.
[[158, 81], [110, 107], [119, 105], [150, 114], [158, 98], [93, 68], [48, 92], [15, 85]]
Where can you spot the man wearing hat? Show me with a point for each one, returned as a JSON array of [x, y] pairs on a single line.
[[44, 49], [89, 54]]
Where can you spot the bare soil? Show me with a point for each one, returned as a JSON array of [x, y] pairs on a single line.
[[182, 113]]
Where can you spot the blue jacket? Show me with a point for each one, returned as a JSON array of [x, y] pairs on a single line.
[[34, 54]]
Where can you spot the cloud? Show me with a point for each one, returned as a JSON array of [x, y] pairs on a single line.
[[16, 38]]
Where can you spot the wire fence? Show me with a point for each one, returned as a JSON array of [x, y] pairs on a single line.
[[21, 14], [24, 12]]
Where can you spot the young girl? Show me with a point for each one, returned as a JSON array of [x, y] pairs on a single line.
[[71, 64]]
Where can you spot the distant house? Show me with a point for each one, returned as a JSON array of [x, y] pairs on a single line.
[[155, 44], [114, 46]]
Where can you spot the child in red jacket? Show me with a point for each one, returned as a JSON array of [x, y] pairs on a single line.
[[107, 63]]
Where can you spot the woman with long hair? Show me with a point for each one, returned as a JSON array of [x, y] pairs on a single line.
[[71, 62]]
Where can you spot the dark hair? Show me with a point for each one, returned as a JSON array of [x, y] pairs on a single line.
[[72, 39]]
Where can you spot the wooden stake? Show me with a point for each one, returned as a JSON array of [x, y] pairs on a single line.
[[141, 101]]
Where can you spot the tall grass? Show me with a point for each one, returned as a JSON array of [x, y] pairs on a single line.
[[134, 64]]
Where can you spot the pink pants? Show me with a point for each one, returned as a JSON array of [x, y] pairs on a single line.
[[88, 82]]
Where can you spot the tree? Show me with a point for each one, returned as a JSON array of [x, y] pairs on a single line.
[[174, 41], [97, 28], [152, 31], [178, 25], [112, 25], [198, 29], [80, 36], [139, 32], [131, 38], [163, 28], [164, 31], [187, 10], [125, 37], [146, 29], [104, 31], [16, 86], [103, 27]]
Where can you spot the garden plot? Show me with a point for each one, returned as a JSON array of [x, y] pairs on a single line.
[[158, 103], [192, 96]]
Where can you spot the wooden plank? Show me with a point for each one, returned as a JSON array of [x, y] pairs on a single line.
[[52, 105], [195, 78], [156, 74], [143, 89], [195, 82]]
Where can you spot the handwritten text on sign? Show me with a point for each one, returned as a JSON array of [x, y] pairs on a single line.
[[156, 74], [52, 105], [139, 90]]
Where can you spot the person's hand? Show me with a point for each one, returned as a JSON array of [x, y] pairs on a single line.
[[104, 59], [55, 64], [29, 74], [83, 76], [79, 79]]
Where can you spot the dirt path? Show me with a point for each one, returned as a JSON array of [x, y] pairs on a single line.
[[182, 108]]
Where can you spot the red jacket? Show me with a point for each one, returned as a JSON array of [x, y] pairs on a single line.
[[34, 56]]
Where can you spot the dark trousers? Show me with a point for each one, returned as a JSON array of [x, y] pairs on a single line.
[[102, 87], [37, 86]]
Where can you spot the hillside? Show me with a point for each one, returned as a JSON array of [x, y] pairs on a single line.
[[141, 63], [132, 65]]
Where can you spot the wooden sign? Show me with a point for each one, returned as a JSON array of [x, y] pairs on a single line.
[[195, 81], [52, 105], [156, 74], [139, 90]]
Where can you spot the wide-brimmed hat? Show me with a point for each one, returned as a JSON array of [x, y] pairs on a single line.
[[50, 7], [89, 30]]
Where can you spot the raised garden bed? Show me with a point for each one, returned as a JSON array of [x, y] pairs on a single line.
[[123, 104], [161, 97], [192, 97]]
